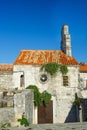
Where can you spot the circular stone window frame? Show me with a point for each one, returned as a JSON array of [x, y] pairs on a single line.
[[47, 75]]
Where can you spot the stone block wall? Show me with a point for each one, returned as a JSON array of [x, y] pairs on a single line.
[[23, 103], [83, 80], [6, 80], [6, 115], [64, 95], [29, 105], [32, 77]]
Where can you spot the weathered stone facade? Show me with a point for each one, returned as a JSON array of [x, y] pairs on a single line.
[[32, 76], [83, 80], [62, 96], [6, 115], [6, 80], [22, 104], [26, 70]]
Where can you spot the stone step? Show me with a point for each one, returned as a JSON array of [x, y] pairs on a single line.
[[66, 126]]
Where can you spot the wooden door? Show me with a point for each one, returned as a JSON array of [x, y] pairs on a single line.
[[45, 113]]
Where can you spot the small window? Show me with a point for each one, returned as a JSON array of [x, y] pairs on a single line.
[[43, 78], [22, 81], [65, 80]]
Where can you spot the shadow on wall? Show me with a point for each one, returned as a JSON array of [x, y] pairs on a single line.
[[84, 110], [73, 115]]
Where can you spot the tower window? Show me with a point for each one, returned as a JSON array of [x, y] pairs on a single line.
[[65, 80]]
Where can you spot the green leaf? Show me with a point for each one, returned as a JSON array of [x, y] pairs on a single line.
[[37, 94], [46, 97], [23, 121], [52, 68], [39, 98], [63, 69]]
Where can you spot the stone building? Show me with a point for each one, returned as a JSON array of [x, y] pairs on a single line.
[[25, 71]]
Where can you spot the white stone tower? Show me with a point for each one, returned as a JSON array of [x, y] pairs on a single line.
[[66, 40]]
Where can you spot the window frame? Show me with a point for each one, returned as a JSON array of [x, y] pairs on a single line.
[[65, 80], [22, 81]]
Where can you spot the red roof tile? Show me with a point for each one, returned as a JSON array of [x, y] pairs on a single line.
[[83, 68], [6, 67], [38, 57]]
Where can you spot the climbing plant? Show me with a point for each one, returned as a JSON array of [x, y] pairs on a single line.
[[23, 121], [40, 98], [63, 69], [77, 101], [53, 67], [46, 97], [37, 94]]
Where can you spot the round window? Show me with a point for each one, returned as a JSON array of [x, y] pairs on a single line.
[[43, 78]]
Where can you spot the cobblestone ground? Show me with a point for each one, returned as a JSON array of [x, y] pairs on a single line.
[[67, 126]]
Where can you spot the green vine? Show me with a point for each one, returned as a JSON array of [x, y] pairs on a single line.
[[63, 69], [52, 68], [37, 94], [23, 121], [40, 98], [46, 97], [78, 101]]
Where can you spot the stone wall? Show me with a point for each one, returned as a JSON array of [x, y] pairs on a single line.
[[6, 80], [23, 104], [63, 96], [29, 106], [6, 115], [32, 76], [63, 107], [82, 80]]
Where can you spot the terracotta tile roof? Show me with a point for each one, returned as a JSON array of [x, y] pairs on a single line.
[[83, 67], [38, 57], [6, 67]]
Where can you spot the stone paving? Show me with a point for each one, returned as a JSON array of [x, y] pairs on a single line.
[[66, 126]]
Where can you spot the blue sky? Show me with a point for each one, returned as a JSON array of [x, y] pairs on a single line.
[[36, 24]]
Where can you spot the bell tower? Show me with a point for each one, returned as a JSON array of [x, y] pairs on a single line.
[[66, 40]]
